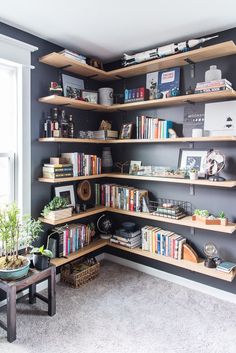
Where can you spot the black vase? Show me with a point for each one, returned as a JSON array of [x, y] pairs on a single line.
[[40, 262]]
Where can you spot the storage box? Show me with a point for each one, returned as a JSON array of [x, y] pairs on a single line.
[[220, 118], [76, 278]]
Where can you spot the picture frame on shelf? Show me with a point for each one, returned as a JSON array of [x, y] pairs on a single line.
[[72, 86], [89, 96], [67, 192], [193, 159], [126, 131], [134, 167]]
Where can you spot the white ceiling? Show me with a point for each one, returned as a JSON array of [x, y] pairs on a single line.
[[108, 28]]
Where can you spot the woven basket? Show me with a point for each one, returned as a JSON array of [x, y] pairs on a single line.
[[76, 279]]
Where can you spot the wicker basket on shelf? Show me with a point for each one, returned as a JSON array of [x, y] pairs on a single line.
[[79, 273]]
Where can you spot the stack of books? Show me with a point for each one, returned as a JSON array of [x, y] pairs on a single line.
[[226, 266], [213, 86], [70, 238], [105, 134], [175, 212], [152, 128], [84, 164], [57, 171], [122, 197], [127, 239], [72, 55], [162, 242]]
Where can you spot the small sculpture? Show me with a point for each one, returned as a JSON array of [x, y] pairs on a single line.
[[105, 125], [172, 134], [121, 166]]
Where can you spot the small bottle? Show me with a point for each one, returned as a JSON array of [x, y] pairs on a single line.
[[70, 127], [56, 130], [48, 127], [64, 124]]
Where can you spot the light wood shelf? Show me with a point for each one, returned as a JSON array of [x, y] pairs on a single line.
[[73, 103], [118, 141], [191, 266], [95, 245], [197, 55], [165, 102], [68, 179], [71, 65], [186, 221], [74, 217], [200, 182]]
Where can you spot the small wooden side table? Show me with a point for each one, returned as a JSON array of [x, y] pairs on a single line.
[[11, 288]]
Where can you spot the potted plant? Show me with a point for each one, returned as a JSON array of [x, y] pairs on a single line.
[[223, 219], [15, 232], [57, 209], [193, 174], [207, 218], [41, 257]]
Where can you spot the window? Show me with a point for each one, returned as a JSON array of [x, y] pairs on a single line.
[[15, 163]]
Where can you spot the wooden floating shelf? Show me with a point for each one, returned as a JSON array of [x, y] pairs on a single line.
[[61, 61], [203, 182], [166, 102], [186, 221], [197, 55], [95, 245], [72, 103], [74, 217], [191, 266], [169, 140]]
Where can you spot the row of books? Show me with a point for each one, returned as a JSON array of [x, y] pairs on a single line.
[[56, 171], [122, 197], [152, 128], [162, 242], [71, 238], [127, 239], [213, 86], [84, 164], [73, 55]]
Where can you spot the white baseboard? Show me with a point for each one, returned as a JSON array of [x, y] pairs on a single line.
[[218, 293]]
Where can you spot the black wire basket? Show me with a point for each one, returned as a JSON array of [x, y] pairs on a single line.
[[170, 208]]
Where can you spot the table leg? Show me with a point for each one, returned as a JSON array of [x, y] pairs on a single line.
[[32, 291], [11, 314], [52, 292]]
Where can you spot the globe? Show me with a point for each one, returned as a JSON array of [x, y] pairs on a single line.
[[211, 252], [104, 226]]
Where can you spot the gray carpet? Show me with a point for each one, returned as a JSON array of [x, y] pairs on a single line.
[[125, 311]]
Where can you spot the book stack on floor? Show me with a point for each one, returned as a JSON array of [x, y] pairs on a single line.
[[127, 239], [213, 86], [70, 238], [152, 128], [226, 266], [72, 55], [57, 171], [83, 164], [122, 197], [162, 242]]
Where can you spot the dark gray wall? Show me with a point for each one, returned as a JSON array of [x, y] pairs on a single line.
[[159, 154]]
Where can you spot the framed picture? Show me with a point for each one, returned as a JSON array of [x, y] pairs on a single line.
[[90, 96], [193, 159], [72, 86], [126, 131], [67, 192], [134, 167]]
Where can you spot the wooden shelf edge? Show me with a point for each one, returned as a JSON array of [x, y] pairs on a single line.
[[191, 266], [69, 179]]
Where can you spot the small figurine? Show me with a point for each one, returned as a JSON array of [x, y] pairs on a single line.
[[96, 63], [172, 134], [121, 166], [105, 125], [159, 94], [55, 88]]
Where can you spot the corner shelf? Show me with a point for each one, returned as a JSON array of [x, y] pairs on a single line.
[[74, 217], [188, 265], [165, 102], [168, 140], [200, 182], [186, 221], [196, 55], [95, 245]]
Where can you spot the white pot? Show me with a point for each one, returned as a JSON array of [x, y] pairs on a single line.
[[106, 96], [193, 175]]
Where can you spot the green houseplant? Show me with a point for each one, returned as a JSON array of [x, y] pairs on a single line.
[[15, 232], [41, 257], [56, 209]]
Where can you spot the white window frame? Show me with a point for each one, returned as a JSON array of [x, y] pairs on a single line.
[[19, 54]]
